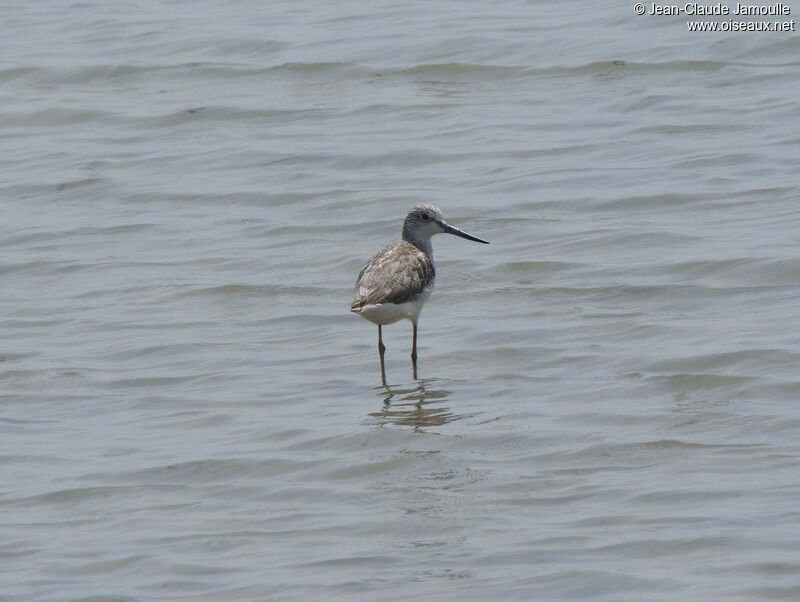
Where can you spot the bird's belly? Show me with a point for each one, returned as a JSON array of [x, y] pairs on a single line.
[[388, 313]]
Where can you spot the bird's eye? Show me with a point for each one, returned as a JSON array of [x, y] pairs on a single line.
[[424, 217]]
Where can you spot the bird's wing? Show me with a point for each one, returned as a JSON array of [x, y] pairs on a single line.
[[395, 275]]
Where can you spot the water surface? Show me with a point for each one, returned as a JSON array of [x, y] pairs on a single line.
[[607, 403]]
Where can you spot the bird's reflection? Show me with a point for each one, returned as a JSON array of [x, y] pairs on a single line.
[[421, 405]]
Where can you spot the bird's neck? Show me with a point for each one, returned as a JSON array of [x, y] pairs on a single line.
[[423, 244]]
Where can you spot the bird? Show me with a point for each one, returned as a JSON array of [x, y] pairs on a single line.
[[395, 282]]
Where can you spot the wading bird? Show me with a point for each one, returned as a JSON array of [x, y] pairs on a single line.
[[395, 283]]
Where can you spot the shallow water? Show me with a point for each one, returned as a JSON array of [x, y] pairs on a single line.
[[607, 406]]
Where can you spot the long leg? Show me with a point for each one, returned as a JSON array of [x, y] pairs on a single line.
[[381, 351], [414, 351]]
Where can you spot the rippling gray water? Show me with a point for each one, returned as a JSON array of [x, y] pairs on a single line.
[[608, 402]]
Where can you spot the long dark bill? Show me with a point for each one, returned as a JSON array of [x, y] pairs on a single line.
[[448, 229]]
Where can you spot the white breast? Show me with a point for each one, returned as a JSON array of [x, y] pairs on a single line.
[[388, 313]]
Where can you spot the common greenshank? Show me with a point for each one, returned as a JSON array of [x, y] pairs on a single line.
[[395, 283]]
